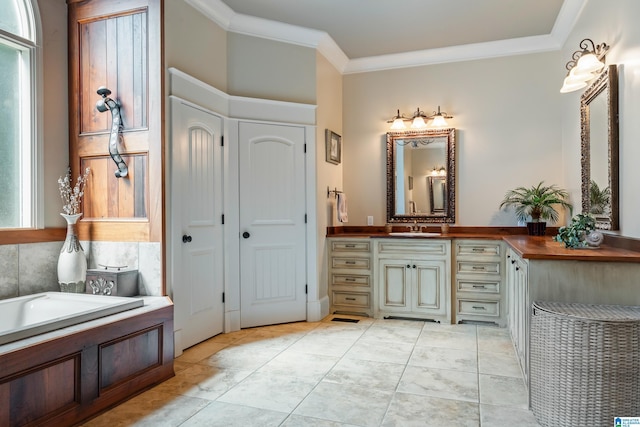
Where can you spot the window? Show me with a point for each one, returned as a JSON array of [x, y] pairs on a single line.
[[18, 133]]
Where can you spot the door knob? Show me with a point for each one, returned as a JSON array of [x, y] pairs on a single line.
[[186, 238], [246, 235]]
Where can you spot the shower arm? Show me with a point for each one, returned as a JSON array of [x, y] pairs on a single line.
[[103, 105]]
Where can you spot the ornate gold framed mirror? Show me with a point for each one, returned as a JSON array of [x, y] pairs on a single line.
[[421, 176], [599, 149]]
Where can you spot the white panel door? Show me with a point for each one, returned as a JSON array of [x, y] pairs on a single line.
[[196, 223], [272, 227]]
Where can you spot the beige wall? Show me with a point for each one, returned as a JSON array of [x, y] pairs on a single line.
[[194, 44], [55, 103], [266, 69], [616, 24], [507, 115], [328, 116]]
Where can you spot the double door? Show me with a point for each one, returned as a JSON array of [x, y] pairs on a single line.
[[263, 238], [413, 287]]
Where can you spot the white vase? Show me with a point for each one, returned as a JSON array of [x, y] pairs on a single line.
[[72, 263]]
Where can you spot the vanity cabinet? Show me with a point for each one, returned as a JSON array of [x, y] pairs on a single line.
[[350, 281], [518, 307], [479, 281], [413, 279], [549, 272]]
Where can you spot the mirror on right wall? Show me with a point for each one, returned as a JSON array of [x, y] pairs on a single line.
[[599, 149]]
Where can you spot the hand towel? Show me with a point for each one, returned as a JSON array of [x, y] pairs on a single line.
[[342, 208]]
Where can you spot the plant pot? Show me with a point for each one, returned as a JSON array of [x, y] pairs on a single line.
[[537, 228]]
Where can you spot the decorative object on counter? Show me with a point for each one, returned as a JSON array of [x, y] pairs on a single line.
[[388, 228], [584, 66], [103, 105], [419, 120], [581, 233], [536, 202], [72, 262], [112, 280], [444, 228], [333, 145]]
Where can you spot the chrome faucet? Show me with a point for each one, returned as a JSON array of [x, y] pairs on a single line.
[[415, 227]]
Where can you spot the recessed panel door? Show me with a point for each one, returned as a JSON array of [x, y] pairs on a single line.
[[196, 223], [272, 224]]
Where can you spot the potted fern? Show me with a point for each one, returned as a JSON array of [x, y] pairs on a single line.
[[538, 203]]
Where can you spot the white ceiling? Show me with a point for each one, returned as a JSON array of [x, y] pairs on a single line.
[[367, 35]]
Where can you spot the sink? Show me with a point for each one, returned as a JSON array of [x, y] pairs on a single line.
[[413, 234]]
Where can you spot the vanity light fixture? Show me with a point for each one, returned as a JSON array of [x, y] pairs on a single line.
[[585, 64], [438, 171], [419, 120]]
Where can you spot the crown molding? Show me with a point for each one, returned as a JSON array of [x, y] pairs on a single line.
[[224, 16]]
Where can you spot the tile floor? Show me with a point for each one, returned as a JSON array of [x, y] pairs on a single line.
[[330, 373]]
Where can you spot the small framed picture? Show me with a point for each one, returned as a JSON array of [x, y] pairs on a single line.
[[333, 143]]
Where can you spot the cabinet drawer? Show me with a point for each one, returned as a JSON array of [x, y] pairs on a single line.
[[350, 280], [409, 249], [340, 262], [481, 286], [352, 299], [478, 249], [479, 308], [477, 267], [342, 246]]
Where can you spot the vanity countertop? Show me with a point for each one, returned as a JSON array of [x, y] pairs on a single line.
[[544, 247], [528, 247]]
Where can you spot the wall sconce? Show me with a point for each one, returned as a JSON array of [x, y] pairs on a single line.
[[419, 120], [585, 64]]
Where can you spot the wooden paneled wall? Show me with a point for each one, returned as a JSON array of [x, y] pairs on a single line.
[[118, 44]]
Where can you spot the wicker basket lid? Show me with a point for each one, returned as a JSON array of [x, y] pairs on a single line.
[[609, 313]]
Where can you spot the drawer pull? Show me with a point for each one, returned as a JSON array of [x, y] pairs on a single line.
[[350, 262], [478, 307], [350, 299], [477, 267], [349, 279], [479, 286], [477, 249], [350, 246]]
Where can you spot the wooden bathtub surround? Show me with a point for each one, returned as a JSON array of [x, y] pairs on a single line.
[[68, 379]]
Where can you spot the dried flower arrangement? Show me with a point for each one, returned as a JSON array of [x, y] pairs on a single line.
[[72, 197]]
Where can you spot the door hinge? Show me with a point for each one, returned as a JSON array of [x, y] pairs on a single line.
[[223, 297], [306, 289], [305, 147], [223, 219], [305, 218], [222, 140]]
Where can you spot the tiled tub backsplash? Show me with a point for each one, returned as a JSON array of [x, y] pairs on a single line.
[[30, 268]]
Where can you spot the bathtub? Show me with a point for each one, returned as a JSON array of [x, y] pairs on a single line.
[[31, 315]]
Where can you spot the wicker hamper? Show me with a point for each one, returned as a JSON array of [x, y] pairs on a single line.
[[584, 363]]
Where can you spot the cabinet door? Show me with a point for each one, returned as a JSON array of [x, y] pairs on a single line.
[[394, 278], [429, 286]]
